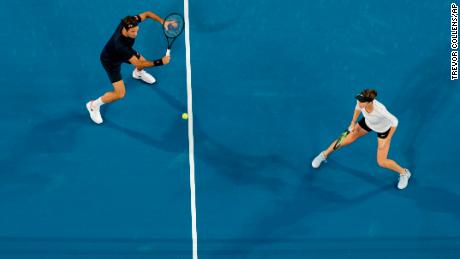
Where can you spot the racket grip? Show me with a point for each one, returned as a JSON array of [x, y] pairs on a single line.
[[168, 52]]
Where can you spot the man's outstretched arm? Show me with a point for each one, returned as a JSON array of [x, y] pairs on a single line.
[[152, 16]]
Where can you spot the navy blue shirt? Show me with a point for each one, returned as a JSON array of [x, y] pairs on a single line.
[[118, 49]]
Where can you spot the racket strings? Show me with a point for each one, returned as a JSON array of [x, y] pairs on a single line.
[[175, 25]]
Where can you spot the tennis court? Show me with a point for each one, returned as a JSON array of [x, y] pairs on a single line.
[[273, 84]]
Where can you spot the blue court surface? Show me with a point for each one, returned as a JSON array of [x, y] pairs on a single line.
[[273, 84]]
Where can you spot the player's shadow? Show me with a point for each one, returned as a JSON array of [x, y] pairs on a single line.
[[21, 171], [267, 171], [381, 184], [425, 93], [318, 199], [310, 199], [426, 197], [173, 102], [173, 140], [238, 168], [306, 200], [241, 169], [434, 199]]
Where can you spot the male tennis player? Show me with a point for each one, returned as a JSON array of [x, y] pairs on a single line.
[[118, 50], [375, 118]]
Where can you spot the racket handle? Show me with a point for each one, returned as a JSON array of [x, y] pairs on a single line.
[[168, 52]]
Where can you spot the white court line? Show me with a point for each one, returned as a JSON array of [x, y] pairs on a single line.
[[191, 143]]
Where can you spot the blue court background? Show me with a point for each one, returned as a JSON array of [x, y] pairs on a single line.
[[273, 85]]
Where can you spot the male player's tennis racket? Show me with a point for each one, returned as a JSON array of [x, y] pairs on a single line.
[[339, 141], [173, 26]]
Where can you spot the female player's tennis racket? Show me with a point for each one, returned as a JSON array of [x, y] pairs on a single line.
[[173, 26], [339, 141]]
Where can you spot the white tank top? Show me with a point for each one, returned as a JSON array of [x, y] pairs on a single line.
[[379, 120]]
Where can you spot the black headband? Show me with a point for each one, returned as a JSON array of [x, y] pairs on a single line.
[[363, 99], [132, 24]]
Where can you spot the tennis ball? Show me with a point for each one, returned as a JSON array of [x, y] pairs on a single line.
[[184, 116]]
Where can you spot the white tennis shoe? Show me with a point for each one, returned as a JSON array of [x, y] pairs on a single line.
[[404, 179], [144, 76], [318, 160], [94, 113]]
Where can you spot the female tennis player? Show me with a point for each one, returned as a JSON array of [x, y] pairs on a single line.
[[375, 118], [118, 50]]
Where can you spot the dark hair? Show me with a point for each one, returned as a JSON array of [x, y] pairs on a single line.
[[369, 93], [366, 96], [130, 22]]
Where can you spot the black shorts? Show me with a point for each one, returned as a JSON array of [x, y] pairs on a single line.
[[113, 71], [363, 125]]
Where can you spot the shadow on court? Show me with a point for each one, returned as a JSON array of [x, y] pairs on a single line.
[[23, 170], [309, 199], [429, 198], [426, 92], [240, 169], [305, 200], [174, 140]]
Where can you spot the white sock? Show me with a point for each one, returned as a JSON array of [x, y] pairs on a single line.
[[97, 103]]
